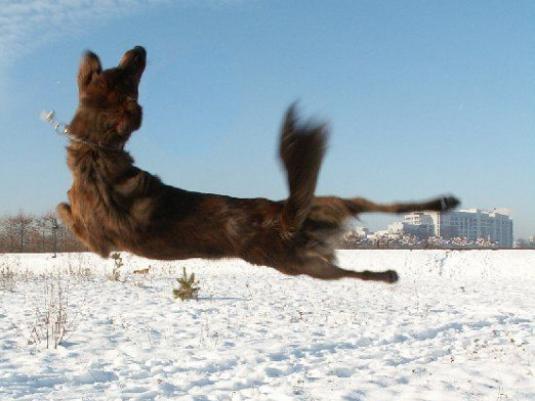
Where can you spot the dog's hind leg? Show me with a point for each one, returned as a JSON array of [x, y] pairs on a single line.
[[325, 270], [333, 211], [361, 205]]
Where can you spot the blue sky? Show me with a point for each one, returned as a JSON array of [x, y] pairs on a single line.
[[423, 97]]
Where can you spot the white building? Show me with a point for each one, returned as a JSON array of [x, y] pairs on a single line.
[[415, 224], [472, 224]]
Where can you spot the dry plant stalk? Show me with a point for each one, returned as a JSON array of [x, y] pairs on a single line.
[[118, 264], [50, 325], [7, 278]]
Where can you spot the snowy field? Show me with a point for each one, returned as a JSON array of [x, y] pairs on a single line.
[[458, 326]]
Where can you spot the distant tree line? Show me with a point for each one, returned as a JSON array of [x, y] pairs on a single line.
[[30, 233], [355, 240]]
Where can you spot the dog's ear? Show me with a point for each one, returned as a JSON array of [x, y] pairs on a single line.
[[89, 67]]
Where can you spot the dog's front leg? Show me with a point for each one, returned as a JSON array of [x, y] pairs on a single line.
[[65, 214], [326, 270]]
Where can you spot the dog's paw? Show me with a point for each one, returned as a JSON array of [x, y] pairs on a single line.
[[63, 209], [448, 203], [391, 276]]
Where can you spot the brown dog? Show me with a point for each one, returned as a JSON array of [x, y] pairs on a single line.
[[116, 206]]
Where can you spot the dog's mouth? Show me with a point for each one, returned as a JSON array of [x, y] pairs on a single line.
[[134, 60]]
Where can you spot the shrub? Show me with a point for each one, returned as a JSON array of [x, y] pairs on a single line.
[[188, 287]]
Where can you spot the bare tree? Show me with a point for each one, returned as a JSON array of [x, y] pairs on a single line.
[[28, 233], [21, 225]]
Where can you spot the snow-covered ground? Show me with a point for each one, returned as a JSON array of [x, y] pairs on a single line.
[[458, 326]]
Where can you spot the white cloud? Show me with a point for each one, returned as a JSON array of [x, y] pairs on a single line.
[[28, 24]]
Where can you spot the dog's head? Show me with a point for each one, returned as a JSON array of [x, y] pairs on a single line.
[[108, 111]]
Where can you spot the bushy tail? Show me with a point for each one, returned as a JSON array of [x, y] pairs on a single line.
[[302, 147]]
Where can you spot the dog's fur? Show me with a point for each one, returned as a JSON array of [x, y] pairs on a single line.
[[116, 206]]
